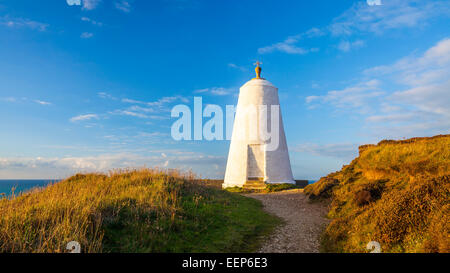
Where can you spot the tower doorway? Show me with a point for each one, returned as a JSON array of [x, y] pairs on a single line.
[[255, 162]]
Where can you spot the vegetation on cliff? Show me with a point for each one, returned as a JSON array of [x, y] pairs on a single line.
[[396, 193], [132, 211]]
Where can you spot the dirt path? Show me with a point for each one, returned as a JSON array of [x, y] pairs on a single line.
[[304, 222]]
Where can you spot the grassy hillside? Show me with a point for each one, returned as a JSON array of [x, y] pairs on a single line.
[[396, 193], [132, 211]]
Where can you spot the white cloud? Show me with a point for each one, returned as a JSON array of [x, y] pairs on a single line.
[[429, 98], [87, 4], [90, 4], [105, 95], [61, 167], [432, 67], [84, 117], [130, 113], [41, 102], [86, 35], [346, 46], [427, 78], [289, 44], [133, 101], [24, 99], [216, 91], [73, 2], [235, 66], [143, 109], [123, 6], [364, 18], [160, 102], [89, 20], [419, 107], [345, 151], [9, 99], [23, 23], [392, 14], [354, 97], [139, 112], [374, 2]]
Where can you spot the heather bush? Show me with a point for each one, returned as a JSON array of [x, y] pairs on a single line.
[[396, 193]]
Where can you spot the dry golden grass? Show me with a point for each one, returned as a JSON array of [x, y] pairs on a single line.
[[45, 220], [130, 211], [396, 193]]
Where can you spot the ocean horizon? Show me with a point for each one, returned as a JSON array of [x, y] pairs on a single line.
[[22, 185]]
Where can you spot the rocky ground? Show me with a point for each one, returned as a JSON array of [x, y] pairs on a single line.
[[304, 221]]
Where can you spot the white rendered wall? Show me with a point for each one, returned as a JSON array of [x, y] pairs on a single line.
[[277, 165]]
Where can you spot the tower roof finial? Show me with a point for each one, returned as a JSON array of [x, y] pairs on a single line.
[[258, 70]]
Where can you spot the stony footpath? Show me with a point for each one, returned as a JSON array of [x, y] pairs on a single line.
[[304, 222]]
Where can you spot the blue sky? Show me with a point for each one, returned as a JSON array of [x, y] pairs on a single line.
[[88, 85]]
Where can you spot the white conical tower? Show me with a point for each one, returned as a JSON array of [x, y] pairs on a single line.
[[252, 159]]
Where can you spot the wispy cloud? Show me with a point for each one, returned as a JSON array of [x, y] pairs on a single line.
[[8, 99], [427, 78], [90, 4], [93, 22], [362, 18], [357, 97], [129, 113], [86, 35], [24, 100], [22, 23], [160, 102], [73, 2], [235, 66], [346, 46], [86, 4], [418, 107], [123, 6], [60, 167], [84, 117], [105, 95], [345, 151], [393, 14], [139, 112], [216, 91], [289, 45], [154, 110], [133, 114], [41, 102]]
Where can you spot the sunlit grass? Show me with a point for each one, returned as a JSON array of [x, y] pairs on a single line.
[[396, 193], [132, 211]]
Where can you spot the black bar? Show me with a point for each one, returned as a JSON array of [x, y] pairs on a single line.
[[258, 262]]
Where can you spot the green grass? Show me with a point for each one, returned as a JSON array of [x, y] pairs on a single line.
[[236, 190], [396, 193], [269, 188], [133, 211], [280, 187]]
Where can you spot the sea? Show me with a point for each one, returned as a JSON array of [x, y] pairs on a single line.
[[22, 185]]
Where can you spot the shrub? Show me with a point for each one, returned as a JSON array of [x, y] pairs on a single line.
[[322, 189], [396, 193], [363, 198]]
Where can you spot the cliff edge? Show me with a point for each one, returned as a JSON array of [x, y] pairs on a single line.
[[396, 193]]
